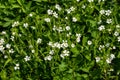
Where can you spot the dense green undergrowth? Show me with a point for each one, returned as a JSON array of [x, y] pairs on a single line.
[[59, 40]]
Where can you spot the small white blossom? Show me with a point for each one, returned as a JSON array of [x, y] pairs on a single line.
[[72, 45], [90, 0], [78, 39], [11, 51], [78, 35], [5, 56], [97, 59], [25, 25], [65, 53], [114, 47], [12, 38], [89, 42], [67, 28], [2, 48], [83, 6], [55, 14], [57, 6], [112, 56], [47, 19], [116, 33], [16, 23], [66, 17], [51, 52], [72, 8], [39, 40], [107, 12], [118, 26], [74, 19], [77, 0], [108, 60], [49, 58], [109, 21], [27, 58], [102, 27], [3, 32], [33, 51], [8, 46], [50, 12], [102, 12], [101, 47], [118, 38], [30, 14], [17, 67], [68, 34]]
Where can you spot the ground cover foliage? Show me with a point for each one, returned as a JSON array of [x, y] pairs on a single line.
[[59, 40]]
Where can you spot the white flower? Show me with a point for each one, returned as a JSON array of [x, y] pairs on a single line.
[[77, 0], [102, 27], [107, 45], [2, 41], [30, 14], [90, 0], [27, 58], [25, 25], [50, 43], [118, 26], [101, 47], [116, 33], [68, 11], [109, 21], [65, 53], [74, 19], [58, 45], [78, 39], [66, 17], [72, 45], [83, 6], [89, 42], [50, 12], [39, 40], [33, 51], [108, 60], [78, 35], [51, 52], [8, 46], [16, 23], [102, 12], [49, 58], [118, 38], [64, 44], [97, 59], [17, 67], [55, 14], [114, 47], [5, 56], [11, 51], [47, 19], [72, 8], [68, 34], [2, 48], [107, 12], [112, 56], [67, 28], [3, 32], [57, 6]]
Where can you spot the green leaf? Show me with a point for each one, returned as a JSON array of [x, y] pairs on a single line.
[[7, 62], [7, 24], [3, 75]]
